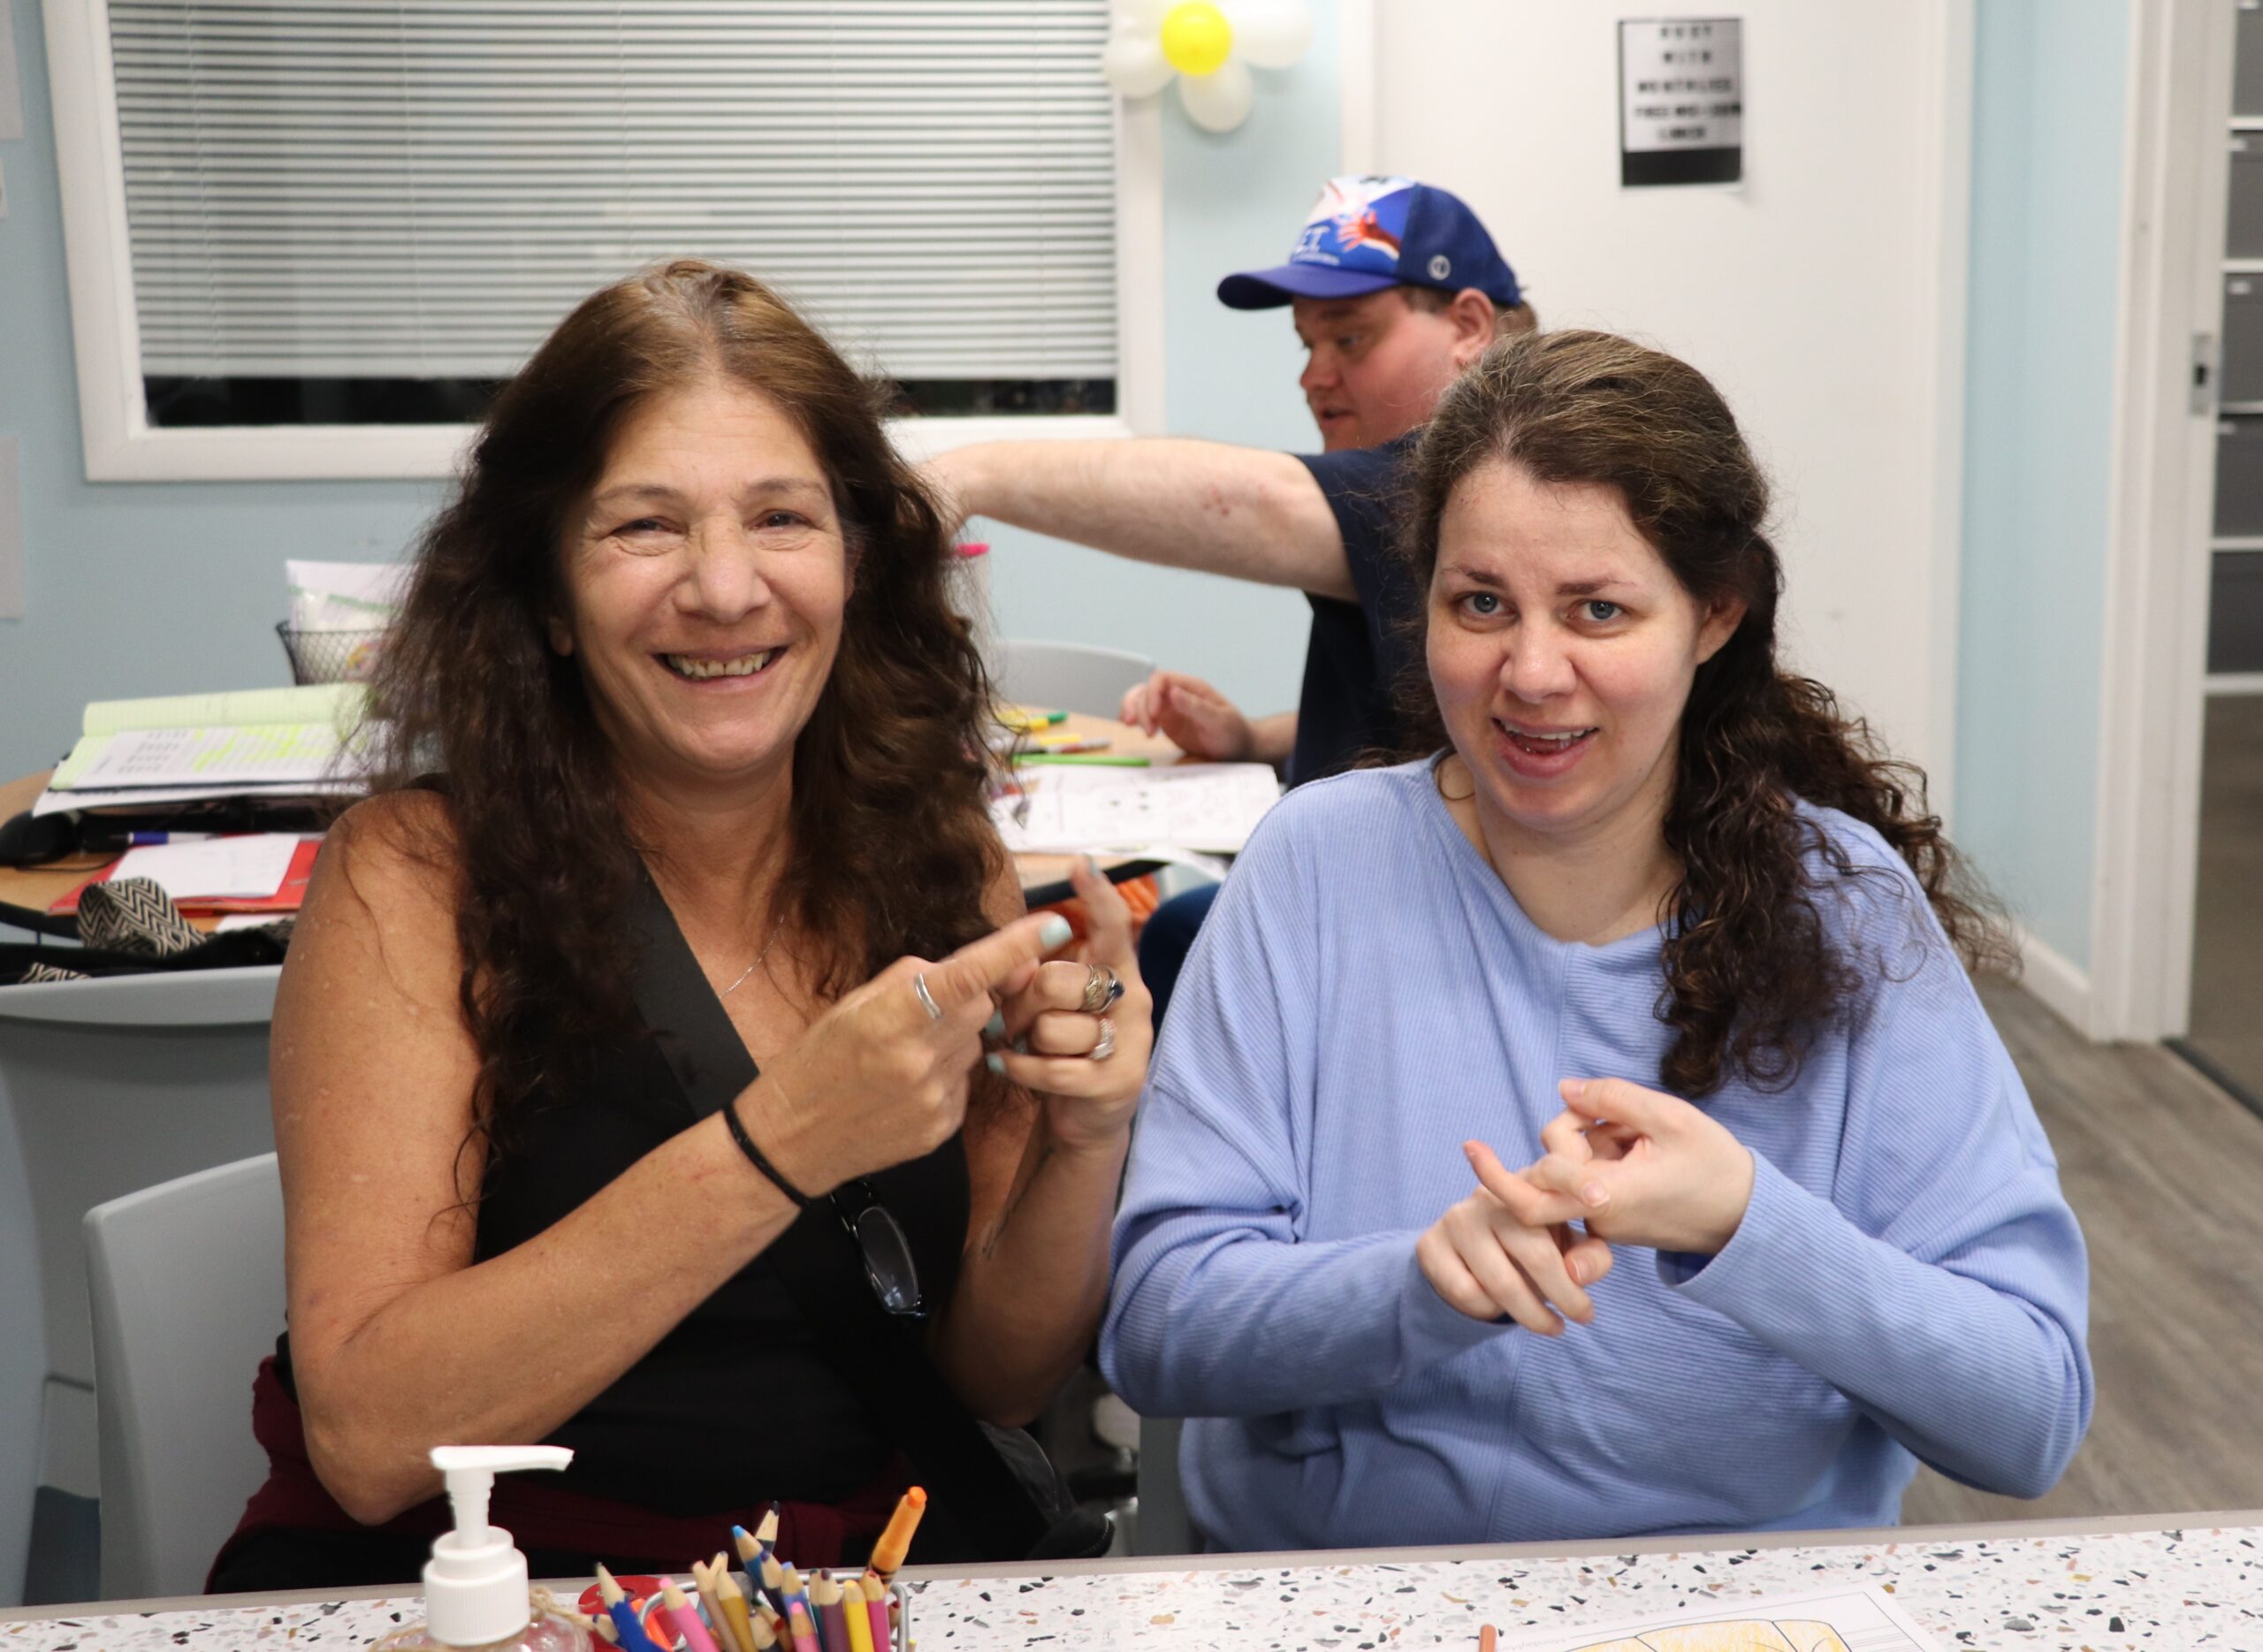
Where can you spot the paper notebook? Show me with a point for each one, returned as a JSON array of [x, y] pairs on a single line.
[[258, 736]]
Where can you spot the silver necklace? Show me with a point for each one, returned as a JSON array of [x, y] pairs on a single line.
[[759, 957]]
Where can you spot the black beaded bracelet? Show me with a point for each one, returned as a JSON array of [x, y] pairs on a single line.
[[754, 1156]]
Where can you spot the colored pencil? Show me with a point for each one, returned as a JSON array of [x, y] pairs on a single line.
[[804, 1634], [766, 1530], [629, 1632], [858, 1620], [734, 1611], [774, 1585], [832, 1622], [686, 1618], [876, 1602]]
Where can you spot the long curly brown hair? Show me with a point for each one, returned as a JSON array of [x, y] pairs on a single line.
[[1750, 969], [891, 846]]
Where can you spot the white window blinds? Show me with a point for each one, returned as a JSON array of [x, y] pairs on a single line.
[[423, 188]]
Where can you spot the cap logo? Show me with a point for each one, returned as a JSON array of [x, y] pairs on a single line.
[[1356, 225], [1441, 266]]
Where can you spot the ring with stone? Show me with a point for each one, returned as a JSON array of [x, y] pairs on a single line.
[[926, 998], [1101, 988], [1106, 1047]]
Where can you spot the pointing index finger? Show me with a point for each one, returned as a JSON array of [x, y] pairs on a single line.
[[980, 966]]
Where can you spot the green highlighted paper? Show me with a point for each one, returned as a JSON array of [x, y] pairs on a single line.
[[258, 737]]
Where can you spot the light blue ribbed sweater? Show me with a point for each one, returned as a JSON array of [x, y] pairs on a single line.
[[1365, 996]]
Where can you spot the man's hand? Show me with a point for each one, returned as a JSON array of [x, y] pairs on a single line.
[[1191, 714]]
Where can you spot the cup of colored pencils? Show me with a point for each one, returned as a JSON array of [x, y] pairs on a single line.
[[766, 1605]]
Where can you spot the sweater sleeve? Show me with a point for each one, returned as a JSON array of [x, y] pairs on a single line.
[[1943, 1286], [1221, 1306]]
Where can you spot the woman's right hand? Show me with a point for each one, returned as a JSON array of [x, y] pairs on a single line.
[[1486, 1261], [880, 1080]]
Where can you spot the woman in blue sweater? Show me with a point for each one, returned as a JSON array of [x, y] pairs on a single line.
[[1658, 924]]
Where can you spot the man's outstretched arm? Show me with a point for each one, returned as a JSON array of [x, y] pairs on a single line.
[[1242, 512]]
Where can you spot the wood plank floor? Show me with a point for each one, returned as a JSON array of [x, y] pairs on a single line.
[[2166, 1173]]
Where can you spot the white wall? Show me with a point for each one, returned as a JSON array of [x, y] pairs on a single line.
[[1812, 294]]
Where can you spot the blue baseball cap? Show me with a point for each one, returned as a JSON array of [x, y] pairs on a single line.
[[1368, 234]]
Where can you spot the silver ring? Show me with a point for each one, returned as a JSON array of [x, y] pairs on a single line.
[[926, 998], [1101, 988], [1106, 1047]]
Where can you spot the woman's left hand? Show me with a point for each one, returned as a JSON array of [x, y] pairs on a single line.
[[1087, 1064], [1637, 1166]]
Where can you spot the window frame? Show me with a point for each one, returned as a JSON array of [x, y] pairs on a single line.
[[122, 445]]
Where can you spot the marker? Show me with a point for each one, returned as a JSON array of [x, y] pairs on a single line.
[[1488, 1638], [895, 1543], [626, 1631], [798, 1623], [1087, 759]]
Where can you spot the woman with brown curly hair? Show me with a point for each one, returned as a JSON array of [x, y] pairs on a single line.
[[1650, 914], [617, 1104]]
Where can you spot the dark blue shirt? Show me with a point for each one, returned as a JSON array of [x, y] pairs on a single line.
[[1359, 649]]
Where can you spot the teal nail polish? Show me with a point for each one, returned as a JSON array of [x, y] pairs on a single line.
[[995, 1062], [995, 1027], [1054, 932]]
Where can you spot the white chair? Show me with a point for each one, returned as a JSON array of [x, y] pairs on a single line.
[[186, 1284], [1163, 1525], [1069, 676]]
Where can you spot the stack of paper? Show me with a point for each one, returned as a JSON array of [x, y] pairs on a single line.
[[250, 871], [1210, 807], [260, 742]]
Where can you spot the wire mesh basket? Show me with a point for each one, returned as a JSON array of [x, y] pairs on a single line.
[[331, 656]]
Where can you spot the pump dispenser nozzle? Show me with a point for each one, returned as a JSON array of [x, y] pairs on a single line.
[[475, 1583]]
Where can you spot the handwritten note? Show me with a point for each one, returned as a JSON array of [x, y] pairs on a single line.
[[1212, 807]]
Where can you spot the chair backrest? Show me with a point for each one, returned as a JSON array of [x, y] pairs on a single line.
[[186, 1285], [1069, 676]]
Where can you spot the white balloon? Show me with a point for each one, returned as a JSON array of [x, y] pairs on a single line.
[[1220, 102], [1145, 15], [1271, 34], [1135, 65]]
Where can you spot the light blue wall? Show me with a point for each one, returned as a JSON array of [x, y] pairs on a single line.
[[141, 588], [2046, 241]]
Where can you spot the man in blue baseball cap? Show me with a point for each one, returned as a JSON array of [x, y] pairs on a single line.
[[1395, 288]]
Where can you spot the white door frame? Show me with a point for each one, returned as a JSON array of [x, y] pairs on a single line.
[[2144, 879]]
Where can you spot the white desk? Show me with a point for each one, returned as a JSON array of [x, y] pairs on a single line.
[[2162, 1583]]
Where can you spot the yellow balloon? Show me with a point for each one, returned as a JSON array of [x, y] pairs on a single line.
[[1197, 37]]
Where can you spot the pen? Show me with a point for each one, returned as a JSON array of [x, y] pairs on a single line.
[[99, 841], [1091, 759]]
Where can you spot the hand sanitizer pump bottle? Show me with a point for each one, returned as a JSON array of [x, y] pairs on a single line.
[[475, 1586]]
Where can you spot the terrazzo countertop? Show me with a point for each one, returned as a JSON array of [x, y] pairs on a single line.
[[2194, 1586]]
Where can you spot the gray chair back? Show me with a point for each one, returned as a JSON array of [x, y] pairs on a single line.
[[1069, 676], [186, 1285]]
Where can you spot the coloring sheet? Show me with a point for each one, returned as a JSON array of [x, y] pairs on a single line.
[[1840, 1620]]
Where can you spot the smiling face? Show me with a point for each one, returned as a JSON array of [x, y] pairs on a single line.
[[705, 584], [1562, 649], [1375, 366]]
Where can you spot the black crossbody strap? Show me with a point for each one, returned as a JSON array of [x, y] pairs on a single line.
[[880, 1358]]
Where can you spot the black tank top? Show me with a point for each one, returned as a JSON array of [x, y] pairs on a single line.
[[736, 1405]]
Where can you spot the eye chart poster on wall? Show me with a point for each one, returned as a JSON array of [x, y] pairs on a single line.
[[1681, 100]]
